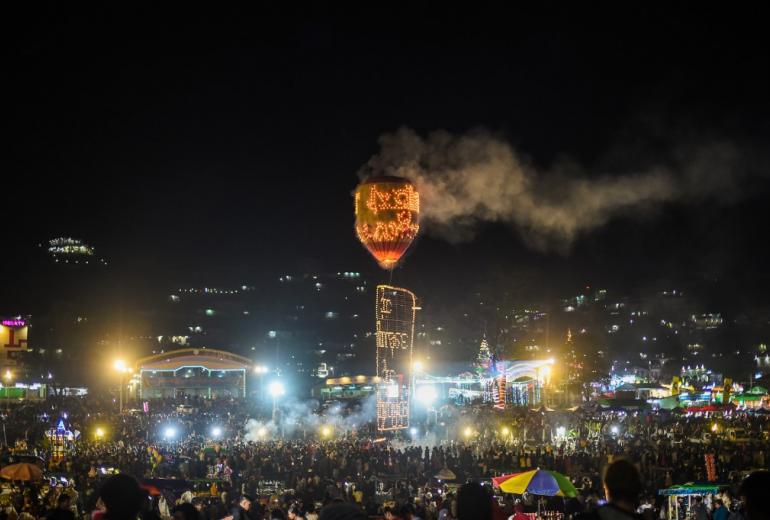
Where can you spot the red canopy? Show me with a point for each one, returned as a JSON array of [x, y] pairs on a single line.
[[152, 490], [707, 408]]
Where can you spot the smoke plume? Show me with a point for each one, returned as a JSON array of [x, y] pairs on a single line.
[[300, 419], [465, 180]]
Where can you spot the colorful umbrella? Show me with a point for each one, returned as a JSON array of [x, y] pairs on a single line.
[[22, 471], [540, 482], [496, 481]]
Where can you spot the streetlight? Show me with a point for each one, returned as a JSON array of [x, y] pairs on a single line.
[[417, 368], [123, 369], [8, 378], [276, 390], [169, 433], [426, 394], [260, 371]]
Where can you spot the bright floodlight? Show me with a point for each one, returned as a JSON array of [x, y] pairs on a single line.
[[413, 431], [261, 432], [326, 431], [170, 433], [468, 431], [120, 365], [560, 431], [426, 394], [260, 369], [276, 388], [614, 430], [100, 433], [417, 366], [216, 431], [505, 430]]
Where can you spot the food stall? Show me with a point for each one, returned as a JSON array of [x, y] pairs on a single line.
[[680, 498]]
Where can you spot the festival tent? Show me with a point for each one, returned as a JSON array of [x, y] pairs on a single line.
[[692, 489], [540, 482], [689, 490], [707, 408], [669, 403]]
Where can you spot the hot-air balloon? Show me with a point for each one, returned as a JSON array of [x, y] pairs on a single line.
[[387, 215]]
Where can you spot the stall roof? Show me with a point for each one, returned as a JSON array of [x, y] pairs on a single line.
[[692, 489]]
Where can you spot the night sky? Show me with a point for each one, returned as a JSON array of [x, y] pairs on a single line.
[[220, 146]]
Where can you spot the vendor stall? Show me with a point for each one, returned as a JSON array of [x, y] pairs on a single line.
[[680, 498]]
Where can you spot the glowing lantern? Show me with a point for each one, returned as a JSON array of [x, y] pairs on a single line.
[[387, 211]]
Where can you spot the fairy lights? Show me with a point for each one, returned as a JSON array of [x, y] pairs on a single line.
[[395, 312], [387, 211]]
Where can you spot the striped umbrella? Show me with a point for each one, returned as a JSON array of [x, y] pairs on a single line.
[[496, 481], [539, 482]]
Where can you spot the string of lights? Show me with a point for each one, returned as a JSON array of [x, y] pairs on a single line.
[[395, 312], [387, 211]]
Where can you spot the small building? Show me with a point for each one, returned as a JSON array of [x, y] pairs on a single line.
[[193, 372], [347, 387]]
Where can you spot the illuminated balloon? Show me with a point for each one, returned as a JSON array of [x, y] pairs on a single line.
[[387, 214]]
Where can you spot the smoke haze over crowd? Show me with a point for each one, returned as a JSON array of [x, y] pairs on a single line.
[[477, 177]]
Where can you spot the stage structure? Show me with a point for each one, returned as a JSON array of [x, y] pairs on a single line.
[[194, 372], [395, 312]]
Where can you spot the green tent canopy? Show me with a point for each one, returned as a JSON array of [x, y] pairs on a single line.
[[692, 489]]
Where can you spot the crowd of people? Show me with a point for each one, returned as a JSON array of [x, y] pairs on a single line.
[[233, 476]]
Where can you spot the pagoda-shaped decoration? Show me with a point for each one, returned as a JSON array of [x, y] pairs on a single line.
[[484, 357]]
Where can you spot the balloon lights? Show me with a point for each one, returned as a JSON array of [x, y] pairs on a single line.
[[387, 214]]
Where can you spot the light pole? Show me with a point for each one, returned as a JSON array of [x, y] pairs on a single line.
[[427, 395], [8, 378], [122, 369], [276, 390], [416, 368], [260, 371]]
